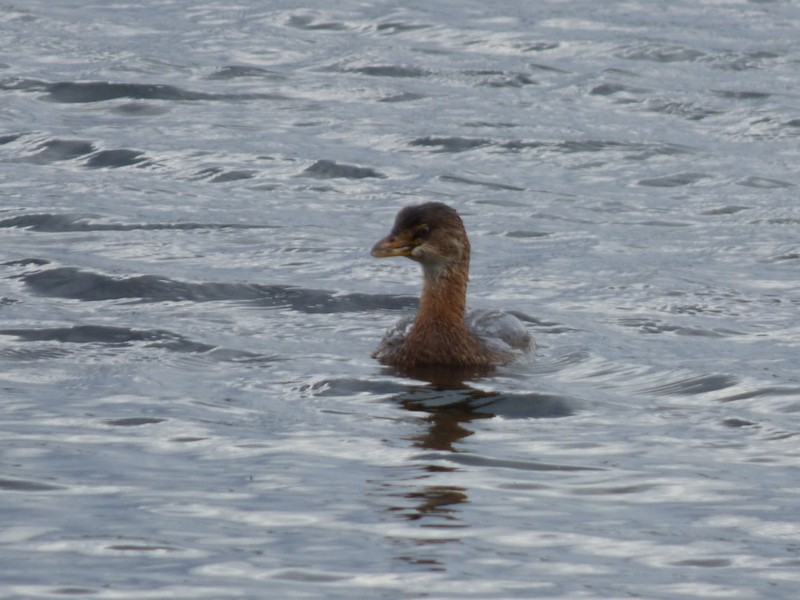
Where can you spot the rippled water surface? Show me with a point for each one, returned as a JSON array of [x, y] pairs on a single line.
[[188, 195]]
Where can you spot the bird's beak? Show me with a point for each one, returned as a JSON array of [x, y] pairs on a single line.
[[392, 245]]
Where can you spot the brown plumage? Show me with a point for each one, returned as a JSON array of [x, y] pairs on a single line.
[[434, 235]]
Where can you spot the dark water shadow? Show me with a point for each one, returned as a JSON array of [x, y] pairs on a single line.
[[120, 337], [25, 485], [70, 223], [114, 159], [89, 286], [328, 169], [58, 150], [81, 92], [628, 150], [70, 92], [694, 385], [238, 71], [398, 71]]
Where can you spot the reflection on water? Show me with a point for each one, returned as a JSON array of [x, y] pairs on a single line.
[[448, 413], [437, 503], [444, 377], [472, 402]]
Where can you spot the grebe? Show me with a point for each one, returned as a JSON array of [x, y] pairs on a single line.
[[442, 333]]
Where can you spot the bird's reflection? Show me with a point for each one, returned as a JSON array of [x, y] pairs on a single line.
[[448, 402], [444, 377], [448, 413], [447, 405]]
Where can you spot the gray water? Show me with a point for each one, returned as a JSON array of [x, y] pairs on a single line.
[[188, 195]]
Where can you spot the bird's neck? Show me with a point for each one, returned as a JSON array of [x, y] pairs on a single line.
[[444, 295]]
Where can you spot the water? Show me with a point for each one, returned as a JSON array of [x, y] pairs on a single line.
[[188, 195]]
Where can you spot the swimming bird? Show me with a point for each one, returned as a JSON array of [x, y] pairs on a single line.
[[443, 333]]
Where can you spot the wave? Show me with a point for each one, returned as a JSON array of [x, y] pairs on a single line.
[[66, 223], [82, 92], [78, 284], [118, 337]]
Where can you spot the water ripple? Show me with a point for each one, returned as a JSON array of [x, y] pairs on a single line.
[[693, 385], [658, 52], [486, 461], [69, 282], [21, 485], [99, 91], [115, 336], [64, 223], [328, 169]]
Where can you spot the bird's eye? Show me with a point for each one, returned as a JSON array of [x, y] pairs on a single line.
[[421, 230]]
